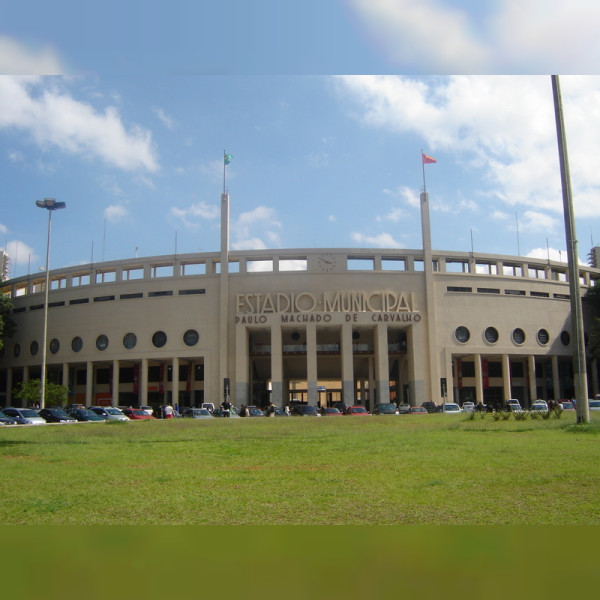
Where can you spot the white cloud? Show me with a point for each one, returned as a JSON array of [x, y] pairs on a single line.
[[3, 229], [535, 222], [406, 194], [18, 59], [20, 254], [503, 126], [164, 118], [190, 215], [427, 32], [395, 215], [55, 119], [263, 219], [15, 156], [553, 254], [115, 213], [381, 240], [505, 36]]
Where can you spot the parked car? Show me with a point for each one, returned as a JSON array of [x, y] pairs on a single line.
[[25, 416], [358, 411], [403, 409], [451, 408], [305, 410], [137, 414], [219, 412], [567, 405], [85, 415], [430, 407], [331, 411], [387, 408], [148, 409], [56, 415], [468, 406], [513, 406], [254, 411], [418, 410], [209, 406], [539, 406], [109, 413], [6, 420], [197, 413], [280, 412], [594, 404]]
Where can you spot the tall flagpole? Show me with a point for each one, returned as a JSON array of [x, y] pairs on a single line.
[[224, 378], [432, 390]]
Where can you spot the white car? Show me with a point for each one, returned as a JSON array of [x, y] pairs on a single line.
[[451, 408], [539, 406], [593, 404], [513, 405], [468, 406], [109, 413], [24, 416]]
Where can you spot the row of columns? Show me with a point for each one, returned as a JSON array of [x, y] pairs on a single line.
[[242, 363], [89, 388], [532, 379]]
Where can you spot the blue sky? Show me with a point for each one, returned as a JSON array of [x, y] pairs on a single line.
[[123, 111]]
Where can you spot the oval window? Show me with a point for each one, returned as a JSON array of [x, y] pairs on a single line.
[[462, 334], [102, 342], [491, 335]]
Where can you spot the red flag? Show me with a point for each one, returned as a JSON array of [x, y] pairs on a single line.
[[427, 159]]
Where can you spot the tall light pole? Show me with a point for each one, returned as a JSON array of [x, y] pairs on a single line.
[[579, 363], [50, 204]]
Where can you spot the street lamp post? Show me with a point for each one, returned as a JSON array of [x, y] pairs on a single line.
[[50, 204]]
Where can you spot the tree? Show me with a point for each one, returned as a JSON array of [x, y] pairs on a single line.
[[29, 393], [7, 325]]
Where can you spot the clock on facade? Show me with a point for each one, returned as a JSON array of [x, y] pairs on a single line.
[[326, 262]]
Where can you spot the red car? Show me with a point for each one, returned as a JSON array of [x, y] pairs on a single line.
[[137, 414], [359, 411]]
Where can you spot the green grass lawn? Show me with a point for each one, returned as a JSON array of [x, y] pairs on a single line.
[[430, 469]]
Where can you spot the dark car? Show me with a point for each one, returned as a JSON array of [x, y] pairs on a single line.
[[430, 407], [358, 411], [331, 411], [6, 420], [304, 410], [56, 415], [386, 408], [85, 415]]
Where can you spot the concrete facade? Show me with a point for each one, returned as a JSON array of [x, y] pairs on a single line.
[[312, 325]]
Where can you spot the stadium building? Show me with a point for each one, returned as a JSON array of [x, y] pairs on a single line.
[[318, 326]]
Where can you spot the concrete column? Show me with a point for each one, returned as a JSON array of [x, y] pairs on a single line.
[[311, 364], [65, 375], [276, 365], [115, 383], [382, 364], [175, 381], [556, 378], [9, 380], [143, 398], [478, 379], [242, 370], [89, 383], [370, 399], [506, 377], [347, 365], [532, 379]]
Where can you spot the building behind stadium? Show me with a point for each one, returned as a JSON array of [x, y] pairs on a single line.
[[319, 326]]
